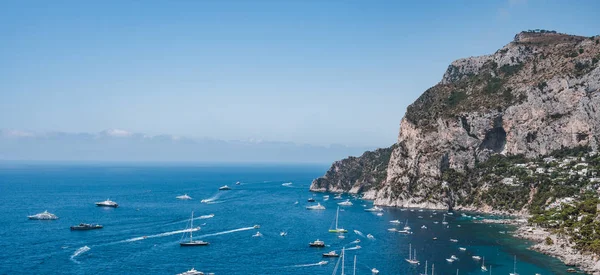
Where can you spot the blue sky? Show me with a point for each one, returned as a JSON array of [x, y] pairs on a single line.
[[316, 72]]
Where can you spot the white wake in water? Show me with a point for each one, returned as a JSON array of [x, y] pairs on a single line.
[[307, 265], [354, 248], [213, 198], [353, 242], [160, 235], [359, 233], [227, 232], [78, 252]]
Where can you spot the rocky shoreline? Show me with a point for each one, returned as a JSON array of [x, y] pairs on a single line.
[[560, 247]]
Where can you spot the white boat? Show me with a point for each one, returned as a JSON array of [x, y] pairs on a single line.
[[286, 184], [412, 258], [184, 197], [107, 203], [341, 237], [379, 214], [444, 220], [322, 262], [207, 216], [404, 231], [454, 258], [450, 260], [337, 229], [374, 209], [462, 249], [435, 222], [338, 197], [192, 272], [283, 234], [406, 227], [374, 271], [454, 240], [43, 216], [326, 197], [256, 226], [345, 203], [316, 207], [483, 267], [395, 221], [515, 267], [237, 183], [317, 243], [393, 229], [370, 236], [258, 234], [191, 230], [476, 258], [423, 227], [330, 254], [224, 187]]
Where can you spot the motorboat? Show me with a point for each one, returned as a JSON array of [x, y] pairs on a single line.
[[322, 262], [191, 230], [224, 187], [43, 216], [395, 221], [316, 207], [454, 258], [258, 234], [338, 197], [317, 243], [330, 254], [450, 260], [404, 231], [237, 183], [434, 238], [345, 203], [311, 199], [423, 227], [341, 237], [86, 226], [476, 258], [337, 229], [370, 236], [207, 216], [374, 271], [286, 184], [256, 226], [107, 203], [379, 214], [462, 249], [192, 272], [454, 240], [283, 234], [393, 229], [184, 197], [374, 209]]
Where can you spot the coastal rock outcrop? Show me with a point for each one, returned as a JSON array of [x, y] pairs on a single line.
[[538, 94]]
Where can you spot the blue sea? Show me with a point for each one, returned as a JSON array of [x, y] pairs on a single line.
[[148, 207]]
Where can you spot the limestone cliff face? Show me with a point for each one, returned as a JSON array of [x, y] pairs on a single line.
[[538, 94], [356, 174]]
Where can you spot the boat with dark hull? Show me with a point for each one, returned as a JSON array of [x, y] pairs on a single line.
[[317, 243], [331, 254], [107, 203], [85, 226], [191, 242]]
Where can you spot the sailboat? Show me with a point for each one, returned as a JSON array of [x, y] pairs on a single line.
[[336, 229], [338, 262], [412, 258], [191, 242], [515, 267], [483, 267], [354, 268], [425, 269]]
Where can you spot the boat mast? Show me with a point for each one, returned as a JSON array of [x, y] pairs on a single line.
[[425, 267], [354, 269], [191, 226], [432, 268], [343, 253], [409, 251], [336, 218], [515, 266]]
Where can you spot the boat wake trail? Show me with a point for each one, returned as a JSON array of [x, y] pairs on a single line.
[[354, 248], [213, 198], [307, 265], [78, 252], [353, 242], [160, 235], [359, 233], [227, 232]]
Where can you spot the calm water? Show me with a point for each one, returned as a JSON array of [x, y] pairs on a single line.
[[146, 195]]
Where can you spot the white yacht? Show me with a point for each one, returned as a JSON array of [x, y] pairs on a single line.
[[43, 216], [395, 221], [370, 236], [374, 271], [283, 234], [317, 243], [192, 272], [258, 234], [374, 209], [224, 187], [476, 258], [107, 203], [338, 197], [184, 197], [393, 229], [423, 227], [454, 240], [316, 207], [462, 249], [345, 203]]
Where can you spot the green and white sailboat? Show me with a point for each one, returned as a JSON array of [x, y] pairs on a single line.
[[337, 229]]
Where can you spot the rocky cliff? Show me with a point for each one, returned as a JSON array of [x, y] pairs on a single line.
[[538, 94]]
